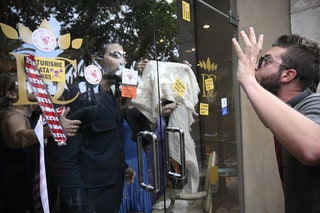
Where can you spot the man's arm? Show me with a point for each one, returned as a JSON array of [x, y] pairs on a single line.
[[17, 131], [297, 133]]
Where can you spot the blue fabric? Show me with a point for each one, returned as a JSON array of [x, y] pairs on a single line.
[[134, 198]]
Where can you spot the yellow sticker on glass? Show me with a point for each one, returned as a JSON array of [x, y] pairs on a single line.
[[209, 84], [179, 87], [204, 109], [185, 11]]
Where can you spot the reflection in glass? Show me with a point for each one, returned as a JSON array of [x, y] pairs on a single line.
[[147, 29]]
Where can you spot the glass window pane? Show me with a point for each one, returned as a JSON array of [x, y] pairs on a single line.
[[188, 84]]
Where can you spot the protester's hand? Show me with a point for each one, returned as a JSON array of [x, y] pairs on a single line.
[[130, 175], [247, 58], [141, 65], [168, 108], [70, 126], [187, 63]]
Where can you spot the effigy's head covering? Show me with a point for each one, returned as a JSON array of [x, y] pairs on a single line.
[[166, 74]]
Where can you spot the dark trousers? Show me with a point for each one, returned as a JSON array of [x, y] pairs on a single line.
[[70, 200], [105, 199]]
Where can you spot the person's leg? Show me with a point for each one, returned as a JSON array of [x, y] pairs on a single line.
[[106, 199], [65, 187], [72, 201]]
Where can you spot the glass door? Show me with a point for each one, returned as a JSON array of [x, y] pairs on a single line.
[[218, 102], [210, 173], [175, 86]]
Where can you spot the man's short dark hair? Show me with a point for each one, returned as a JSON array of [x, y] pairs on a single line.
[[303, 55]]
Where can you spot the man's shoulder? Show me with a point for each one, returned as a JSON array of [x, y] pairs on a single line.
[[312, 101], [312, 98], [310, 107]]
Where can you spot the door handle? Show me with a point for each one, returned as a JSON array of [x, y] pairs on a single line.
[[148, 187], [170, 173]]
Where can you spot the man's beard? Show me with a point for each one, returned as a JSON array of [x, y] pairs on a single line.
[[113, 79], [271, 83], [110, 72]]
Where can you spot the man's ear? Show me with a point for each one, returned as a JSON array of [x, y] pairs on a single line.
[[288, 75]]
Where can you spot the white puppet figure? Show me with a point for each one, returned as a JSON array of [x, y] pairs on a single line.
[[178, 85]]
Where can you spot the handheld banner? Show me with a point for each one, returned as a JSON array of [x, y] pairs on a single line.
[[44, 99]]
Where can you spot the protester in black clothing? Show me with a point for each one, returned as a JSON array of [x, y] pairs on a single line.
[[19, 147]]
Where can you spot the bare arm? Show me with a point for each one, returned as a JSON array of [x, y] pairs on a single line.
[[17, 131], [297, 133]]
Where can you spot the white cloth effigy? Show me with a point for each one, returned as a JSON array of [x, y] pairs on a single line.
[[148, 102], [182, 117]]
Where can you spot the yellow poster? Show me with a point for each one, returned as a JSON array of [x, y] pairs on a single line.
[[204, 109], [51, 69], [209, 84], [186, 11], [179, 87]]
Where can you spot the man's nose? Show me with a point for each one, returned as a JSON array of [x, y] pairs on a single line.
[[123, 60]]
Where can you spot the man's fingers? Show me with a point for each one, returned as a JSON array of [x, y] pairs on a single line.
[[245, 39], [71, 130], [251, 44], [66, 111], [252, 35], [76, 122], [247, 42], [237, 47], [260, 42]]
